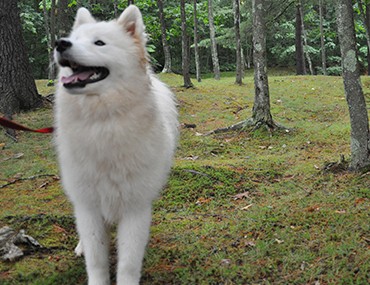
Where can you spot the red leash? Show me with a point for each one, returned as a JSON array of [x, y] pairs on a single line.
[[11, 125]]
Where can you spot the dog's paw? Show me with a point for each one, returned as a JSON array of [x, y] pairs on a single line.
[[79, 249]]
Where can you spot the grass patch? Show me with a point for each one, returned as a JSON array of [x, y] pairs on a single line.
[[239, 208]]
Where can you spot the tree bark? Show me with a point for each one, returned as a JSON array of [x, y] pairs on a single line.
[[322, 38], [360, 135], [167, 68], [216, 65], [50, 33], [304, 36], [185, 48], [239, 70], [299, 50], [261, 108], [368, 28], [17, 87], [64, 23], [196, 49]]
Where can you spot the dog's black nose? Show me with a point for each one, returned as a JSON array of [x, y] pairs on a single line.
[[62, 45]]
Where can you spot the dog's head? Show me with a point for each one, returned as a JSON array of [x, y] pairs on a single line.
[[97, 54]]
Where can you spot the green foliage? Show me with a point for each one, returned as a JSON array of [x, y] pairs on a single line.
[[280, 40]]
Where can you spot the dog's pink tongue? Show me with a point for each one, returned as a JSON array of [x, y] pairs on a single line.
[[75, 77]]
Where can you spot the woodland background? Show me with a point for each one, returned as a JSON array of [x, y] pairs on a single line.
[[40, 18], [254, 206]]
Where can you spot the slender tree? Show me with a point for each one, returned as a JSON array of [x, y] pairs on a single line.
[[322, 38], [299, 49], [166, 48], [261, 115], [196, 49], [17, 87], [185, 48], [261, 108], [216, 65], [239, 70], [63, 20], [367, 23], [49, 20], [360, 134], [304, 37]]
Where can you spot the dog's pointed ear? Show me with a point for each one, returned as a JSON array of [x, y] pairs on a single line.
[[83, 17], [132, 21]]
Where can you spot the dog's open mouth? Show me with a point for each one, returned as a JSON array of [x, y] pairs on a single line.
[[82, 75]]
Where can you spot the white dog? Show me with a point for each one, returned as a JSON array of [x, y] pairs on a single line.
[[116, 130]]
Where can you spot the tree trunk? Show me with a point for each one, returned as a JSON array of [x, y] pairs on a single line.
[[17, 87], [322, 37], [196, 49], [299, 51], [360, 135], [115, 8], [166, 49], [261, 108], [64, 23], [50, 33], [129, 2], [239, 70], [216, 65], [368, 28], [304, 36], [185, 48]]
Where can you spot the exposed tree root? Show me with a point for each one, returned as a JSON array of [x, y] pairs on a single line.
[[249, 125]]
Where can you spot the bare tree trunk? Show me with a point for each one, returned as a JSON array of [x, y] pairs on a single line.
[[129, 2], [299, 50], [196, 49], [322, 37], [261, 108], [17, 87], [216, 65], [239, 70], [185, 48], [360, 135], [368, 28], [305, 49], [50, 32], [167, 68], [64, 24], [115, 8]]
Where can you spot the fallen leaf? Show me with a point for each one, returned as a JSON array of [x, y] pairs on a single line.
[[225, 261], [250, 243], [241, 195], [279, 241], [202, 201], [247, 207]]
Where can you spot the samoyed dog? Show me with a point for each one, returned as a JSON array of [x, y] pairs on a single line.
[[116, 129]]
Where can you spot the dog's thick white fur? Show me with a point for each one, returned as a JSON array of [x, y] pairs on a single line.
[[116, 129]]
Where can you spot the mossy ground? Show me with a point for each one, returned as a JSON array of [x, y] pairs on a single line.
[[239, 208]]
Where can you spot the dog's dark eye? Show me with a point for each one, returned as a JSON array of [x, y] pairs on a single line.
[[99, 43]]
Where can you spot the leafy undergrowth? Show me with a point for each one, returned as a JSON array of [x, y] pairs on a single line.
[[239, 208]]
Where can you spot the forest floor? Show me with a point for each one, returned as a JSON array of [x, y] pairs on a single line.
[[239, 208]]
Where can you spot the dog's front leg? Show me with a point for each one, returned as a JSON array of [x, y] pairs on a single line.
[[95, 242], [133, 235]]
